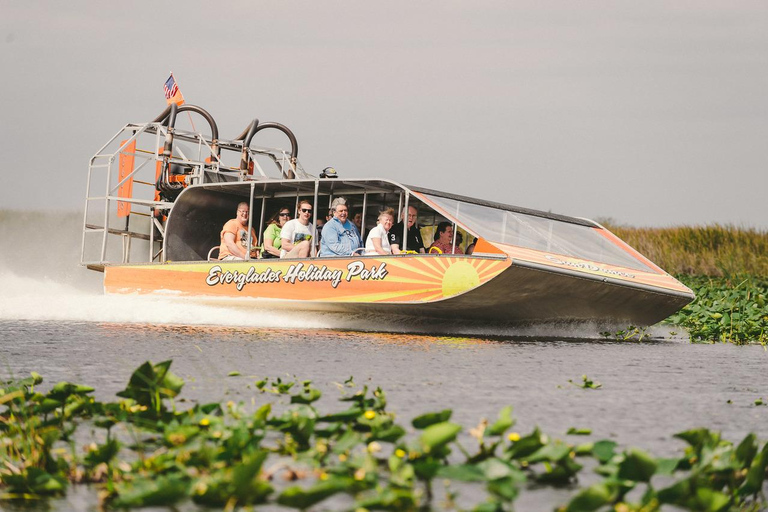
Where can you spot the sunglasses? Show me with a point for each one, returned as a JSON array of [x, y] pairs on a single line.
[[285, 215], [304, 210]]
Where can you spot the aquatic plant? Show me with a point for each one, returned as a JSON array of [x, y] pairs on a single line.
[[726, 309], [288, 451], [631, 333]]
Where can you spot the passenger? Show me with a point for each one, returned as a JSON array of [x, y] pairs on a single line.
[[340, 236], [414, 235], [443, 244], [357, 220], [271, 241], [378, 237], [234, 237], [471, 247], [296, 235], [319, 223]]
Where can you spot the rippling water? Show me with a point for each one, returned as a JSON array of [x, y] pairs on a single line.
[[54, 320]]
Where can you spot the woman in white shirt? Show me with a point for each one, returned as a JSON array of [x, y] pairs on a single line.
[[378, 238]]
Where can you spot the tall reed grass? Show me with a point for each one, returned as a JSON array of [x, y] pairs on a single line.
[[715, 251]]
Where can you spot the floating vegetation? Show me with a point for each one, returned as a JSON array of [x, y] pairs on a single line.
[[586, 383], [631, 333], [726, 309], [146, 452]]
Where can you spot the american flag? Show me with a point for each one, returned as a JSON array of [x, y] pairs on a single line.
[[170, 88]]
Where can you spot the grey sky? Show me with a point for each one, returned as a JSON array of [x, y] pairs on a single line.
[[651, 113]]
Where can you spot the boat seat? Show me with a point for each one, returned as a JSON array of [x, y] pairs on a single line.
[[214, 249]]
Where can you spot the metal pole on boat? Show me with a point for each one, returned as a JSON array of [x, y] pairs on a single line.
[[313, 247], [106, 210], [405, 222], [362, 221], [263, 212], [250, 222], [453, 242]]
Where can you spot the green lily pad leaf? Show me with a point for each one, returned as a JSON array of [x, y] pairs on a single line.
[[389, 499], [494, 468], [502, 424], [552, 452], [527, 445], [462, 473], [48, 405], [343, 416], [431, 418], [637, 466], [239, 482], [592, 498], [747, 449], [306, 396], [149, 384], [262, 413], [34, 482], [389, 435], [756, 474], [426, 469], [604, 450], [297, 497], [158, 491], [698, 437], [233, 373], [439, 434], [63, 390], [506, 488], [103, 453], [711, 500], [347, 441], [579, 431], [666, 466], [677, 493]]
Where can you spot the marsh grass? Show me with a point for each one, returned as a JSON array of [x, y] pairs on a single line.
[[715, 251]]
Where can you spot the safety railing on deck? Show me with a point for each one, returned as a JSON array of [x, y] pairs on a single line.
[[113, 209]]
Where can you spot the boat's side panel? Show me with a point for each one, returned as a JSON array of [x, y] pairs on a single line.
[[590, 268], [402, 279], [523, 295]]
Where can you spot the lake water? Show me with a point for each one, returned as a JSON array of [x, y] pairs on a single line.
[[55, 320]]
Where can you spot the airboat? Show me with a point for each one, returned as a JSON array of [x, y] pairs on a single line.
[[157, 198]]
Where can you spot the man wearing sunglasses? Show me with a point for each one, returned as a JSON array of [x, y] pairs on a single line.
[[340, 236], [296, 235]]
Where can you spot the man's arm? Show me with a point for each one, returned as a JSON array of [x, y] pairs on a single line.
[[286, 243], [332, 240], [234, 249]]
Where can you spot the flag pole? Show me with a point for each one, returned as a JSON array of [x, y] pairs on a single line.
[[188, 113]]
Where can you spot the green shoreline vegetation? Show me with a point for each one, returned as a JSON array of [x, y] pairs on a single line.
[[144, 451], [725, 266]]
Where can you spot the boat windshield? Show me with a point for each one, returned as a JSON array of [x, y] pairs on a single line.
[[538, 233]]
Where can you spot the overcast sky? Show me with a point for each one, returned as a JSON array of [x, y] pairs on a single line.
[[649, 113]]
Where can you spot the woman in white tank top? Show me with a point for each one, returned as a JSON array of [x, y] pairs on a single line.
[[378, 238]]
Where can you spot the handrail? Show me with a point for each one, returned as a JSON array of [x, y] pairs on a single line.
[[168, 118], [253, 128]]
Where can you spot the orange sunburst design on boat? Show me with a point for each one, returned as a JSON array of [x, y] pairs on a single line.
[[411, 279]]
